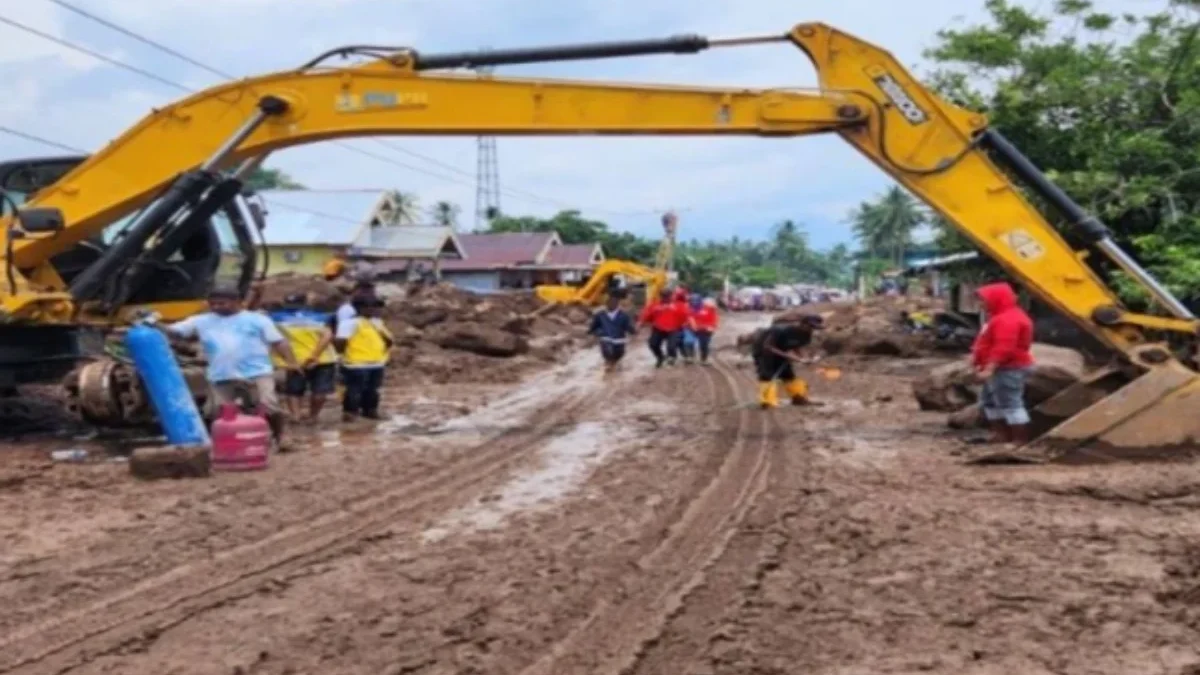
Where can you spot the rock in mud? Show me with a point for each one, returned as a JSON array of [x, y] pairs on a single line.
[[477, 338], [423, 317], [952, 387], [948, 387], [1055, 369], [970, 417], [170, 462]]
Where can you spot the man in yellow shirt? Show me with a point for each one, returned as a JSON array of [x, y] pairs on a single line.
[[307, 331], [365, 343]]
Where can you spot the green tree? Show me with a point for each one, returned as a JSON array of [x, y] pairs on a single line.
[[884, 226], [445, 214], [705, 265], [407, 208], [1106, 105], [263, 178]]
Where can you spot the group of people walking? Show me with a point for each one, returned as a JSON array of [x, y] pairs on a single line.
[[681, 326]]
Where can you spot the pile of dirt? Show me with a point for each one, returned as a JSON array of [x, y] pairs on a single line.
[[448, 334], [325, 295], [953, 388]]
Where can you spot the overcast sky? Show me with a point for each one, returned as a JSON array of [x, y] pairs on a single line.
[[720, 186]]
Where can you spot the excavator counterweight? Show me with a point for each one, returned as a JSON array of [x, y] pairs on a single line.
[[173, 169]]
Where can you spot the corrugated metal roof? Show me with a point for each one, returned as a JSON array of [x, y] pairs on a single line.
[[507, 249], [574, 255], [407, 241], [314, 217]]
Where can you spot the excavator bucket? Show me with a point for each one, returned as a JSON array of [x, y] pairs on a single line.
[[1110, 417]]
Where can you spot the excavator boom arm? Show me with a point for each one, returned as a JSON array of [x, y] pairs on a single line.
[[381, 99], [935, 149]]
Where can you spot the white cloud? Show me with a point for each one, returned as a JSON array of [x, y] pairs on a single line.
[[720, 181]]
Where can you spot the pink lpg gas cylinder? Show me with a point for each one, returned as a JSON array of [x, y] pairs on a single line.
[[240, 442]]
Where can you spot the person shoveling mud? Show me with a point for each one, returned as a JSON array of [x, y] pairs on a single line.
[[775, 351]]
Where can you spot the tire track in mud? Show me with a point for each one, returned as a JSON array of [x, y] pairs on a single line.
[[701, 635], [613, 638], [168, 599]]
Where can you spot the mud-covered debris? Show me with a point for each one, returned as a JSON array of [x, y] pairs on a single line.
[[875, 327], [326, 295], [953, 387], [970, 417], [948, 387], [157, 462], [477, 338], [445, 333]]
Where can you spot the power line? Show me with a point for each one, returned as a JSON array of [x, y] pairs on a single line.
[[141, 38], [39, 139], [512, 192], [94, 54]]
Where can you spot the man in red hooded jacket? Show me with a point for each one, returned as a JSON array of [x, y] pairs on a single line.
[[1002, 359]]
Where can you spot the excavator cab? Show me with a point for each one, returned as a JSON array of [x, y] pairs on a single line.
[[31, 352]]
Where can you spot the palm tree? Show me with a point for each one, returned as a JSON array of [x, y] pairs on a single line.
[[789, 251], [407, 208], [445, 214], [885, 226], [900, 215], [866, 224]]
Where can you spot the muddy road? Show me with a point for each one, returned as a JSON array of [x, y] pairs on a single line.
[[645, 523]]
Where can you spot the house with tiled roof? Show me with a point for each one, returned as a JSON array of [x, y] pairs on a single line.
[[307, 228], [519, 260]]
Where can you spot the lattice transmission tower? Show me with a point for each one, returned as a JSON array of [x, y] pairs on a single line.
[[487, 173]]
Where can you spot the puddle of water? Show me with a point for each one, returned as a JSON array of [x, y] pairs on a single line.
[[582, 374], [567, 461]]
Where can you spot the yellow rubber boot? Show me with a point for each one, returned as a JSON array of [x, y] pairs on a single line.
[[768, 395], [797, 389]]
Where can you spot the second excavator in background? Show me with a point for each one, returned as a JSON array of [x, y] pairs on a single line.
[[618, 273], [160, 185]]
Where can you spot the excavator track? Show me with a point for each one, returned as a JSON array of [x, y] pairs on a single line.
[[73, 638]]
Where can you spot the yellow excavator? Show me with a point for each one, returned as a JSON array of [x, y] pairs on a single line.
[[595, 290], [165, 182]]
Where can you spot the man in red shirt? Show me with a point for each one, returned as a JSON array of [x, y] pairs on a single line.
[[1002, 359], [667, 318], [704, 322]]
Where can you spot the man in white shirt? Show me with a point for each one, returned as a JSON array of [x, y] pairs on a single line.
[[237, 344]]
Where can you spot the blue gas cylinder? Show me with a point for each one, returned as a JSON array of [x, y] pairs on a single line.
[[166, 387]]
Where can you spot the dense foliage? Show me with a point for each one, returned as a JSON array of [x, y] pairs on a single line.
[[1106, 105], [784, 258]]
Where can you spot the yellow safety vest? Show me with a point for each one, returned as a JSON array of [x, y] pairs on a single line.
[[303, 330], [368, 345]]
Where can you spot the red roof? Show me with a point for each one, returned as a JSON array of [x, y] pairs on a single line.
[[508, 249], [573, 255]]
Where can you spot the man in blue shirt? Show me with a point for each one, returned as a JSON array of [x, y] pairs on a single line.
[[613, 326], [237, 344]]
